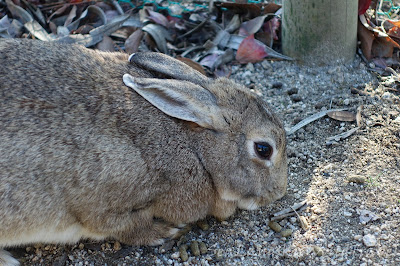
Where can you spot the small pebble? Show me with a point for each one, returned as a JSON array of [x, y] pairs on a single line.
[[296, 98], [250, 67], [81, 246], [347, 214], [292, 91], [318, 250], [384, 237], [387, 95], [369, 240], [265, 64], [175, 255], [317, 210], [275, 226], [219, 254], [277, 85]]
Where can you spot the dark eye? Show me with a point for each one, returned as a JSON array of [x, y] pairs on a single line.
[[263, 149]]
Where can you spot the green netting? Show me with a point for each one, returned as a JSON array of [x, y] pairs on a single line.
[[175, 8], [387, 8]]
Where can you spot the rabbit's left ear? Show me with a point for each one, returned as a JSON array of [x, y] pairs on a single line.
[[180, 99]]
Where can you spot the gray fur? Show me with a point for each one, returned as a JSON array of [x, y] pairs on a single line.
[[85, 155]]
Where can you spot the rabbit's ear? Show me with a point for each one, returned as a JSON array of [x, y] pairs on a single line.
[[169, 66], [179, 99]]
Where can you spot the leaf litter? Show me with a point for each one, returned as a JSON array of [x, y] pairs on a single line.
[[215, 37]]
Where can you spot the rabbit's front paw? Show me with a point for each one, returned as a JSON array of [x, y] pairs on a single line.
[[153, 234], [170, 234]]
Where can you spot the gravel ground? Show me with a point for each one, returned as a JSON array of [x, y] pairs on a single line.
[[352, 187]]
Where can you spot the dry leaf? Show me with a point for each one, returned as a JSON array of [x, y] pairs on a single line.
[[366, 38], [271, 27], [383, 47], [250, 51], [271, 8], [192, 64], [157, 18], [251, 26], [133, 41], [71, 16], [59, 11], [160, 36], [342, 116], [19, 12], [223, 71], [374, 42], [106, 45], [249, 10], [209, 60]]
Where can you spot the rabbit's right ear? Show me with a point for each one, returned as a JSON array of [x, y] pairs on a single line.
[[169, 66], [180, 99]]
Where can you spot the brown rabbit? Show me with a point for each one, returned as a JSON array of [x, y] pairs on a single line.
[[94, 145]]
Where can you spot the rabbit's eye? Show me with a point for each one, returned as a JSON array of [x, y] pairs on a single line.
[[263, 149]]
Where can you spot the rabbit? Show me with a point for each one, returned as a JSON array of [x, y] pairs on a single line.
[[99, 145]]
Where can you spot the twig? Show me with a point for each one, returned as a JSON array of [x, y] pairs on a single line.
[[310, 119], [289, 211], [344, 135]]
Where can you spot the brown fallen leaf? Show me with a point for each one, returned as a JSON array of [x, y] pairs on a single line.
[[106, 45], [251, 26], [158, 18], [366, 38], [342, 116], [383, 47], [248, 10], [270, 8], [374, 42], [133, 41], [192, 64]]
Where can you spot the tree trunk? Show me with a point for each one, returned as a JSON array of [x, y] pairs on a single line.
[[320, 31]]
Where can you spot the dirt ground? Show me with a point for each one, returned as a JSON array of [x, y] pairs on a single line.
[[352, 187]]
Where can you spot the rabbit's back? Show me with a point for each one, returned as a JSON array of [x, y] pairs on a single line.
[[59, 119]]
